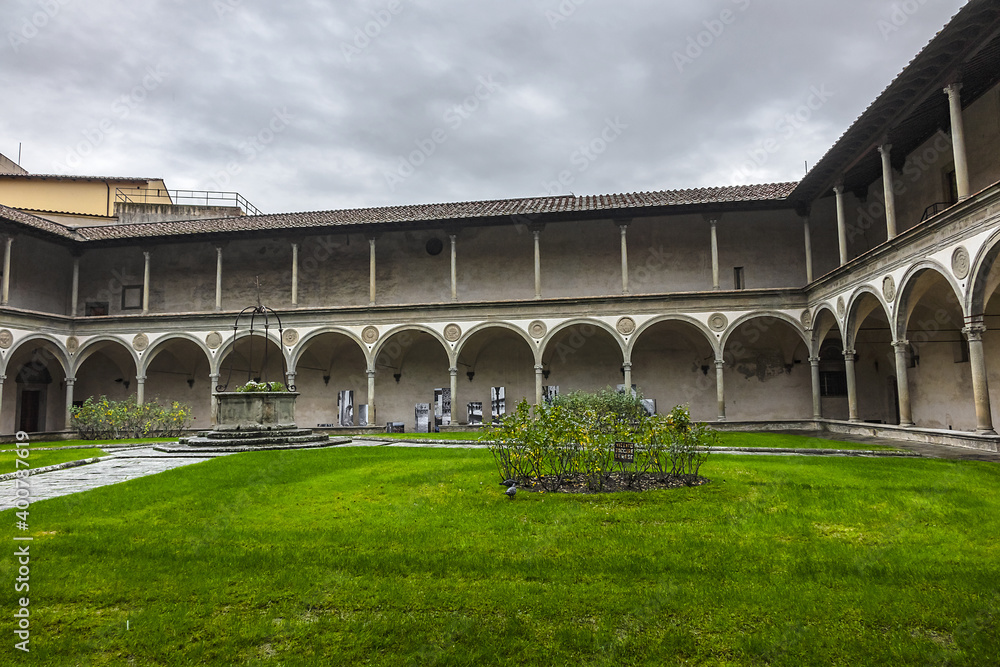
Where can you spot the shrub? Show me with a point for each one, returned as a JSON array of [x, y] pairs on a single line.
[[262, 386], [574, 439], [104, 419]]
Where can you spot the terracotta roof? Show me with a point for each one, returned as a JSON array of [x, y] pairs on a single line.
[[40, 224], [618, 204]]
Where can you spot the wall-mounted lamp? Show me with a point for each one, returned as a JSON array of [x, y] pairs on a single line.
[[397, 376], [545, 373], [704, 369], [326, 380], [471, 375], [190, 383]]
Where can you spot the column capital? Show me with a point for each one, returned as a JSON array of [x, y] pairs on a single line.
[[720, 363], [146, 252], [539, 369], [140, 378], [453, 370], [885, 148], [814, 361], [838, 189], [622, 223], [627, 366], [953, 88], [371, 373], [220, 245], [901, 345], [974, 332], [69, 381], [850, 353], [372, 237]]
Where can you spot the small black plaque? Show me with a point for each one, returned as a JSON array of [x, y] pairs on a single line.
[[624, 452]]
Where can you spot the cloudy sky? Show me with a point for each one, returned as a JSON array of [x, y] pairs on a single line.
[[313, 104]]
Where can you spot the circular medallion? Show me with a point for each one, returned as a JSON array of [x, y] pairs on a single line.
[[626, 326], [140, 342], [6, 339], [290, 337], [213, 340], [72, 344], [889, 288], [960, 262], [718, 322], [841, 308], [369, 335], [452, 333], [537, 329], [806, 319]]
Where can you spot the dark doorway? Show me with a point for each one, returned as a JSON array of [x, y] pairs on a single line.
[[31, 402]]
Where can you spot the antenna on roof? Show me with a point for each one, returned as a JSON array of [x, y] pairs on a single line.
[[19, 153], [807, 166]]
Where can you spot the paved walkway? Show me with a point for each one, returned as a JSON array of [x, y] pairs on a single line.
[[118, 467], [138, 462]]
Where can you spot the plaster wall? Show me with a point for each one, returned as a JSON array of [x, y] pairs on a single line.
[[580, 258], [496, 263], [182, 278], [333, 271], [982, 140], [406, 273], [41, 276], [104, 271]]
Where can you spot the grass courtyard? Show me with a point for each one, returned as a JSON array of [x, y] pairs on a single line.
[[389, 556]]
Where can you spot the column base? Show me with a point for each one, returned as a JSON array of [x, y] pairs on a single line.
[[905, 424], [985, 431]]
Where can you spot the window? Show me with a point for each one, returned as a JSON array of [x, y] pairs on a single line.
[[738, 278], [833, 383], [97, 308], [131, 297]]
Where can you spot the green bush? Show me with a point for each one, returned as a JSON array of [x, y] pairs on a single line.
[[262, 386], [104, 419], [574, 439]]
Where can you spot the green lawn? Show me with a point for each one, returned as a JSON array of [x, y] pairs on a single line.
[[76, 443], [386, 556], [45, 458]]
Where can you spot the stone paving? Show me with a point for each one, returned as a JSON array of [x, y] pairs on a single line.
[[118, 467], [123, 465]]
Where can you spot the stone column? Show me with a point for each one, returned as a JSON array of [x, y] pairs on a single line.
[[213, 380], [841, 223], [295, 274], [74, 298], [903, 383], [958, 139], [454, 269], [218, 277], [817, 393], [371, 398], [2, 378], [69, 400], [980, 385], [852, 385], [720, 388], [623, 226], [538, 264], [890, 194], [809, 252], [145, 283], [539, 380], [627, 371], [8, 242], [715, 255], [454, 393], [140, 389], [371, 273]]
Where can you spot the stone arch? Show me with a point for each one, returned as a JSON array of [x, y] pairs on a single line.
[[582, 321], [384, 339], [93, 345], [915, 283], [824, 314], [862, 303], [766, 374], [309, 338], [161, 344], [494, 354], [55, 346], [572, 360], [984, 276], [226, 378], [685, 319], [673, 363], [460, 346]]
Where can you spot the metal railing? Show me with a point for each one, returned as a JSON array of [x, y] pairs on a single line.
[[193, 197], [936, 208]]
